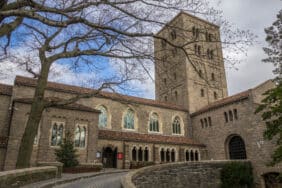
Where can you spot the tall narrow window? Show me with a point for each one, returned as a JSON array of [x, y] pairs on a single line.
[[202, 93], [200, 73], [206, 122], [134, 154], [163, 43], [162, 155], [230, 115], [202, 123], [176, 128], [140, 154], [210, 121], [129, 119], [80, 134], [176, 95], [57, 133], [165, 98], [164, 81], [215, 95], [172, 155], [211, 54], [197, 33], [194, 31], [103, 116], [199, 50], [226, 117], [154, 122], [212, 77], [235, 114], [146, 154], [208, 53]]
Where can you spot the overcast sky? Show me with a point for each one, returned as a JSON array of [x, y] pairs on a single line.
[[254, 15]]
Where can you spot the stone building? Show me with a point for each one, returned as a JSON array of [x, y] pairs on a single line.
[[192, 118]]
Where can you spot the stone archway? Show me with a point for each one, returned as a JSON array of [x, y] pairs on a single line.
[[109, 157], [235, 147]]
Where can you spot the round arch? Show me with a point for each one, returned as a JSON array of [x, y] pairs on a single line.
[[235, 147]]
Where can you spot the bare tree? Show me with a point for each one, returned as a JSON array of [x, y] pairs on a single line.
[[79, 32]]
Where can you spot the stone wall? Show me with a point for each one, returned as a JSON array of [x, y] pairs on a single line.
[[43, 151], [17, 178], [203, 174]]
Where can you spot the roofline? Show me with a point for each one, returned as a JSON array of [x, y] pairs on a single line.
[[188, 14], [216, 106], [157, 142], [102, 94], [21, 100]]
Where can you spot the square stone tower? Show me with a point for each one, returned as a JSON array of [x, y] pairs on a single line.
[[189, 67]]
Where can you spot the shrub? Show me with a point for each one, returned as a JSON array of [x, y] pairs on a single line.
[[66, 154], [237, 175]]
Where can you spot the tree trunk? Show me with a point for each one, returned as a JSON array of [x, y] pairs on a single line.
[[37, 107]]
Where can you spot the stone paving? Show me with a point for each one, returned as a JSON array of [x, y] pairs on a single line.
[[69, 178]]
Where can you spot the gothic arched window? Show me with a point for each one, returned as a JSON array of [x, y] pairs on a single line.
[[230, 115], [196, 156], [129, 119], [167, 155], [187, 155], [57, 133], [154, 122], [80, 134], [192, 155], [176, 127], [140, 154], [103, 117]]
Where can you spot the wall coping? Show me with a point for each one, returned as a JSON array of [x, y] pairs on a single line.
[[127, 180], [27, 171]]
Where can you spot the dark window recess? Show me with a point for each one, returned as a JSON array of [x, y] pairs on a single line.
[[206, 122], [235, 114], [146, 154], [226, 117], [167, 155], [210, 121], [230, 115], [162, 155], [134, 154], [237, 148], [202, 93], [140, 154], [172, 155], [215, 95], [202, 123]]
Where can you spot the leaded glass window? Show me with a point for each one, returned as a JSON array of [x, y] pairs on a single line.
[[176, 128], [129, 119], [103, 117], [80, 134], [154, 123], [57, 133]]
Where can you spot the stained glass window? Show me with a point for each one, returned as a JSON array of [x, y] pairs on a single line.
[[57, 133], [129, 119], [154, 123], [80, 134], [176, 129], [103, 117]]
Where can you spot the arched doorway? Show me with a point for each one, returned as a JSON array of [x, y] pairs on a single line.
[[272, 180], [236, 148], [109, 157]]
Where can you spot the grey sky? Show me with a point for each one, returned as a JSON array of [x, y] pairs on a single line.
[[254, 15]]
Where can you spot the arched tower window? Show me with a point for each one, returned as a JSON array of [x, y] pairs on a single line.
[[176, 127], [129, 119], [236, 147], [103, 117], [154, 122]]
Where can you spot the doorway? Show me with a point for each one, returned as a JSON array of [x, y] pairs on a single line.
[[109, 157]]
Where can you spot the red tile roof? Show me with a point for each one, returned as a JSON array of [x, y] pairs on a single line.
[[6, 89], [24, 81], [148, 138], [225, 101], [73, 106]]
